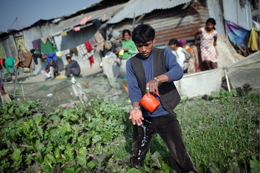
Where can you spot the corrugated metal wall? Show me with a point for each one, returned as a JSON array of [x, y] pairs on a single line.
[[9, 46], [172, 23], [215, 11], [238, 14]]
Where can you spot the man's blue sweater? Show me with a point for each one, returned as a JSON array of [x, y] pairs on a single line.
[[174, 73]]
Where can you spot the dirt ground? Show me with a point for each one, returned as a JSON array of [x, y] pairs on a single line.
[[31, 77]]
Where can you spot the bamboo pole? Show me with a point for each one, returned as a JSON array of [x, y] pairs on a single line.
[[133, 22], [227, 80]]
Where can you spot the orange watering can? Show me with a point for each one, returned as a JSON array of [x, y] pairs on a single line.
[[150, 103]]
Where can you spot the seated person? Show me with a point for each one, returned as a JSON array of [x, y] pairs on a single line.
[[183, 43], [182, 56], [72, 68], [49, 70]]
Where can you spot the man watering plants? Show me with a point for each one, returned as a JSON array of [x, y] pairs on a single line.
[[152, 71]]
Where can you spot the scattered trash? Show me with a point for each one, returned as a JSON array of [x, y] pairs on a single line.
[[49, 95], [73, 80]]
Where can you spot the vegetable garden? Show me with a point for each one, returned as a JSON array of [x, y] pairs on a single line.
[[221, 135]]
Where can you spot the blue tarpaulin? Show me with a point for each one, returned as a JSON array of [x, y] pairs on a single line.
[[237, 34]]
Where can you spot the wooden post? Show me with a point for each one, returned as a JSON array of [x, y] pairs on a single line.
[[227, 79], [133, 22], [23, 92], [140, 18], [15, 81]]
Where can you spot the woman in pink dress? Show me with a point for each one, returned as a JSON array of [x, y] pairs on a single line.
[[208, 41]]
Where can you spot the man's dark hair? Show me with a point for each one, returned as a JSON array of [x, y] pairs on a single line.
[[211, 20], [174, 41], [143, 33], [126, 31], [68, 57]]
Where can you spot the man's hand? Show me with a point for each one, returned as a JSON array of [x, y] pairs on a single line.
[[136, 116], [152, 87]]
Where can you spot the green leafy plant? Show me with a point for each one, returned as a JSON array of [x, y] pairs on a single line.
[[223, 94], [97, 137]]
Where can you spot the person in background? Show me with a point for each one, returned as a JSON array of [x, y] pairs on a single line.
[[208, 41], [72, 68], [183, 44], [116, 39], [49, 69], [128, 46], [154, 70], [181, 54]]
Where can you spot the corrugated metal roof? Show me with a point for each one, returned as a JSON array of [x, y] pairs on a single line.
[[172, 23], [69, 23], [140, 7]]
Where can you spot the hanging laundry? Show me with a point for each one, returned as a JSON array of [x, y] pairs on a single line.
[[51, 40], [77, 28], [53, 64], [237, 34], [37, 44], [89, 48], [32, 51], [51, 56], [97, 41], [98, 25], [48, 47], [99, 46], [99, 37], [73, 50], [2, 62], [84, 21], [28, 59], [9, 64], [36, 56], [59, 54], [44, 56], [20, 54], [253, 40], [93, 41], [255, 25], [64, 33], [82, 51], [32, 66], [44, 40]]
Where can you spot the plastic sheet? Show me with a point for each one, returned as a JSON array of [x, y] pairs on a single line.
[[245, 71], [63, 91]]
